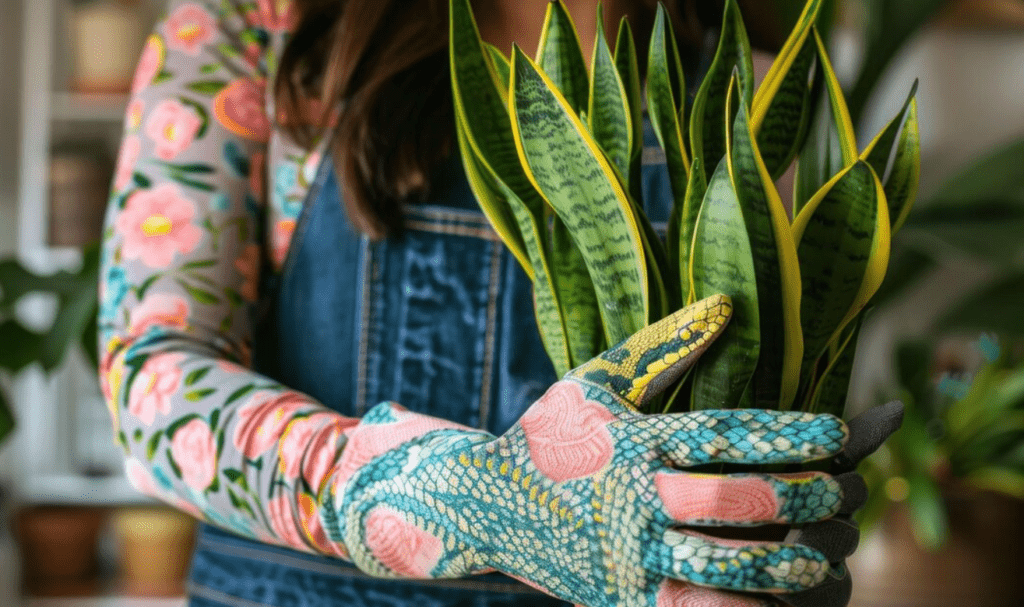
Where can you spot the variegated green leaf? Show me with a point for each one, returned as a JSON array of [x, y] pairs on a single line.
[[819, 158], [782, 67], [629, 72], [576, 296], [832, 388], [609, 111], [570, 170], [487, 186], [837, 102], [723, 262], [901, 181], [500, 63], [842, 240], [560, 56], [776, 267], [830, 144], [695, 191], [665, 98], [782, 122], [482, 111], [711, 114]]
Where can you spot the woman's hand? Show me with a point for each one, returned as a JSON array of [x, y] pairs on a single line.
[[585, 497]]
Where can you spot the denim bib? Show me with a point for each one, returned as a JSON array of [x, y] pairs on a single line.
[[440, 320]]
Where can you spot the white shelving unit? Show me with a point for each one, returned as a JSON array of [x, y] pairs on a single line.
[[64, 426]]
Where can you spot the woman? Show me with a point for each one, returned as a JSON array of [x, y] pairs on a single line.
[[273, 268]]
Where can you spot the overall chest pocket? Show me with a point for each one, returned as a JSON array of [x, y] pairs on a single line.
[[429, 311]]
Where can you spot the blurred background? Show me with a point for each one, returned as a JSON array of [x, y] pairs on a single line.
[[945, 336]]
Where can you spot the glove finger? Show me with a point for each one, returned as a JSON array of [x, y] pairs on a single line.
[[675, 592], [648, 361], [738, 565], [836, 538], [867, 433], [737, 436], [835, 591], [855, 492], [748, 499]]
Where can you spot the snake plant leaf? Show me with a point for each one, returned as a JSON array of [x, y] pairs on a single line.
[[481, 110], [609, 113], [666, 86], [663, 294], [775, 264], [576, 296], [831, 144], [819, 158], [781, 120], [569, 169], [879, 152], [500, 63], [711, 115], [901, 181], [629, 71], [842, 240], [782, 67], [695, 192], [837, 102], [722, 261], [560, 57], [666, 92], [487, 186], [831, 389]]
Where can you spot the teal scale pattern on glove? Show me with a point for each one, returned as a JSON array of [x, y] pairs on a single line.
[[584, 497]]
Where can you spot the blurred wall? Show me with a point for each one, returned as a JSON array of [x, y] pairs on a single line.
[[10, 76]]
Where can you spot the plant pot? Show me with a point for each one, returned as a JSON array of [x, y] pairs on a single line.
[[58, 549], [976, 567], [155, 548]]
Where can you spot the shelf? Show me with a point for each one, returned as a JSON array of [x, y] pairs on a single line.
[[78, 107], [104, 601], [81, 491]]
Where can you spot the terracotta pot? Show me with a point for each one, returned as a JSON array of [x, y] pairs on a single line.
[[155, 546], [58, 549], [976, 568]]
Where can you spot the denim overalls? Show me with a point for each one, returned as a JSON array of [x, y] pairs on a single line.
[[440, 321]]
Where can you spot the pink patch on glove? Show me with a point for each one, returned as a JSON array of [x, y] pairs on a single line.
[[401, 546], [692, 497], [368, 441], [567, 434], [674, 593]]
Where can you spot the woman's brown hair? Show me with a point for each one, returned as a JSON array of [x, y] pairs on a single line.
[[384, 64]]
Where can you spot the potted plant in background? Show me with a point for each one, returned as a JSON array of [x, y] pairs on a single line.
[[58, 544]]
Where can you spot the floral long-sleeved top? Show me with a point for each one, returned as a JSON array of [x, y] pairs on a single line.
[[206, 194]]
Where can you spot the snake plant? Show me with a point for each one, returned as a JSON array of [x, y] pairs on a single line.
[[553, 151]]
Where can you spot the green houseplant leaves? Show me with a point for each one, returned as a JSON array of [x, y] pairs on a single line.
[[570, 204]]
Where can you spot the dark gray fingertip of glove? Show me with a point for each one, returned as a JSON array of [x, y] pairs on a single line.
[[867, 433], [835, 591], [836, 538], [855, 492]]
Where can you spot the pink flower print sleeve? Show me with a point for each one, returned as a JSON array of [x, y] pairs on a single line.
[[182, 258]]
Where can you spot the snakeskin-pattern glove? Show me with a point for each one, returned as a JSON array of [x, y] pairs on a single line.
[[584, 497]]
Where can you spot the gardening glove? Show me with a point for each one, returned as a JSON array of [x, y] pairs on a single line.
[[584, 497], [837, 537]]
